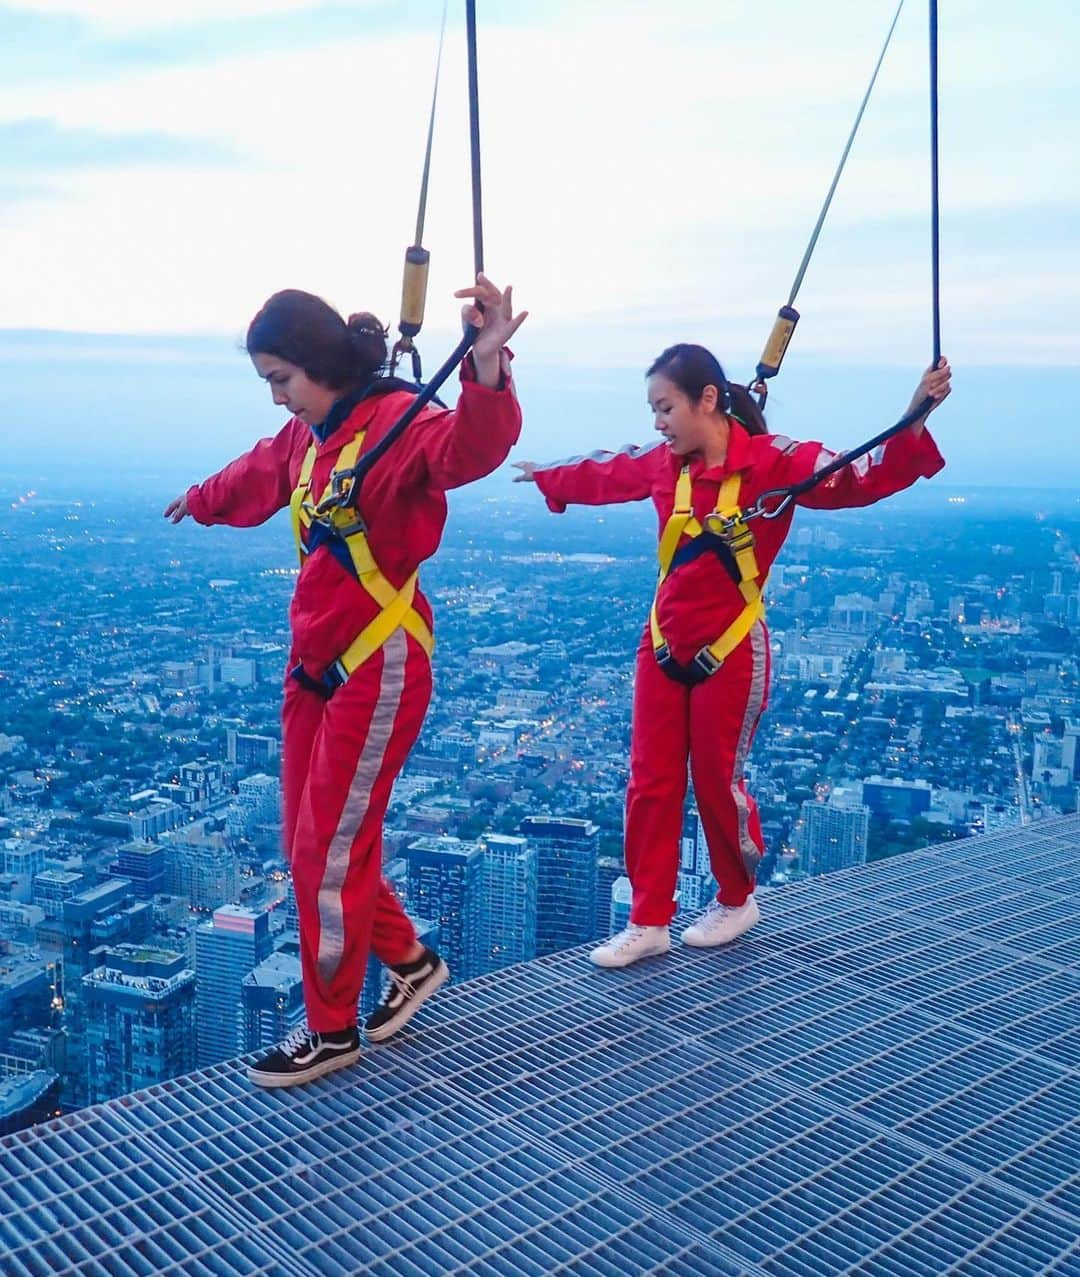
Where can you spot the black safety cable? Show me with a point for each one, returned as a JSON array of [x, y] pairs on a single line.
[[785, 496], [787, 316], [347, 483], [417, 258]]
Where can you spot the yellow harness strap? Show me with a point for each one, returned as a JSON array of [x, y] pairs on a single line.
[[396, 606], [726, 521], [299, 515]]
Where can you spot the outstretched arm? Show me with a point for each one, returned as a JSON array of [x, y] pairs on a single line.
[[897, 464], [601, 478], [248, 490]]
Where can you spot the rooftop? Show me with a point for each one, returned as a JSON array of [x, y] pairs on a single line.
[[881, 1079]]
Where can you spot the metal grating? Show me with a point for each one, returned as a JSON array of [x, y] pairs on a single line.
[[881, 1080]]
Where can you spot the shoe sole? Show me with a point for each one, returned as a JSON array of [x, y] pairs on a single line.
[[616, 966], [716, 944], [308, 1075], [435, 982]]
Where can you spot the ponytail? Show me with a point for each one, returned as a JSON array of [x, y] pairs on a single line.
[[692, 368], [306, 331]]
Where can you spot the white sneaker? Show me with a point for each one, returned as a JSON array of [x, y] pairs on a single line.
[[629, 945], [720, 924]]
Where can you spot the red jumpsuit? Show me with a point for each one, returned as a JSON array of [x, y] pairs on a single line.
[[341, 756], [714, 722]]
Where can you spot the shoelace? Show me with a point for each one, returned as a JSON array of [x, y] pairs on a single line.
[[299, 1037], [402, 984], [627, 936], [714, 906]]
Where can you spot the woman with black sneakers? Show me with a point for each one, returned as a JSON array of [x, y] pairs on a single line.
[[359, 671]]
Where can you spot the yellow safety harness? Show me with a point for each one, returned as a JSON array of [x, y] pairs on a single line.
[[344, 523], [731, 537]]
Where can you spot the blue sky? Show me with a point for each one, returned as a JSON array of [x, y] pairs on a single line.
[[651, 174]]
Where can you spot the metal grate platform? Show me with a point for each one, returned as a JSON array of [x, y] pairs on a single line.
[[881, 1079]]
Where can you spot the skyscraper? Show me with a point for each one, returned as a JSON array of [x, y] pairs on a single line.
[[21, 860], [446, 885], [273, 998], [621, 899], [608, 870], [257, 803], [508, 918], [568, 850], [832, 836], [139, 1009], [227, 948], [144, 864], [200, 865]]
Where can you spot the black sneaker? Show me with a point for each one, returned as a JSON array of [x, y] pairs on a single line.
[[411, 984], [304, 1056]]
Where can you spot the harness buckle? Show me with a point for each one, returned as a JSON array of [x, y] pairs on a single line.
[[341, 490], [707, 663], [721, 525], [315, 685], [662, 654], [336, 676]]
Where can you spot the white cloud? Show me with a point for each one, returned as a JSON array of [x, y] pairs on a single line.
[[641, 176], [149, 14]]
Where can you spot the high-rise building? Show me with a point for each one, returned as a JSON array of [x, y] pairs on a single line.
[[200, 865], [273, 998], [258, 802], [508, 917], [897, 799], [227, 949], [26, 992], [21, 860], [250, 750], [28, 1098], [144, 864], [139, 1008], [236, 671], [622, 897], [52, 887], [205, 779], [832, 836], [568, 850], [1070, 747], [446, 885], [176, 675], [608, 870]]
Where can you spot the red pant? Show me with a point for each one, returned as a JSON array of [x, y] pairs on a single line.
[[713, 724], [340, 758]]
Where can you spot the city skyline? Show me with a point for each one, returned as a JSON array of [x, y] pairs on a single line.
[[933, 697]]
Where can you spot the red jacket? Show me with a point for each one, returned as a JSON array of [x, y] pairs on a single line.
[[402, 501], [699, 599]]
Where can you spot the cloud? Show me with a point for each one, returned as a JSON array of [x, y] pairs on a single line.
[[84, 42], [36, 154], [649, 171], [43, 146]]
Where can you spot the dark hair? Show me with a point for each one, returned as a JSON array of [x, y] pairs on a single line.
[[692, 368], [303, 329]]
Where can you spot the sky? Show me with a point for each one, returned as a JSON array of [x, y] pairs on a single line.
[[651, 174]]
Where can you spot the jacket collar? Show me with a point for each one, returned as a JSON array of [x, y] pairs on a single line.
[[738, 456]]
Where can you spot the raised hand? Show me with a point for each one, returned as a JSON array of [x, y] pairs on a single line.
[[936, 384], [528, 471], [497, 324]]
